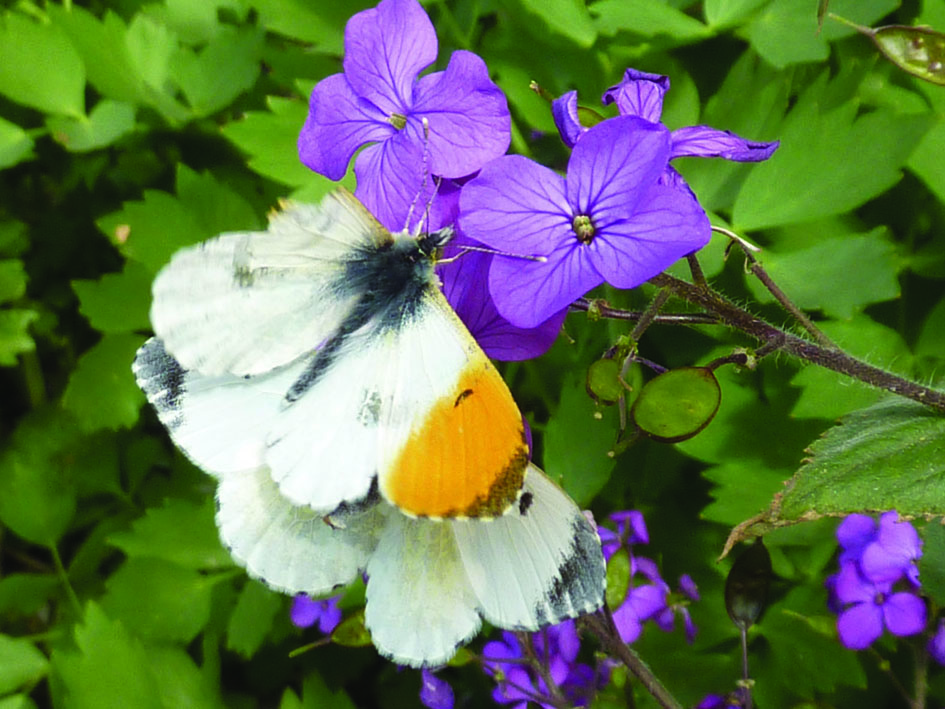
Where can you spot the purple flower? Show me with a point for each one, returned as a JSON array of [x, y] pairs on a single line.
[[678, 604], [937, 644], [379, 100], [893, 553], [641, 604], [306, 612], [641, 94], [872, 605], [464, 284], [435, 693], [514, 683], [853, 534], [631, 529], [608, 220]]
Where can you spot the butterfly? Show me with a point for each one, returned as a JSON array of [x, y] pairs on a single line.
[[324, 349], [354, 425]]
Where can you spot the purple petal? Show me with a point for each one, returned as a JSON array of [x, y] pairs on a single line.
[[330, 615], [639, 94], [853, 534], [304, 611], [390, 179], [936, 645], [691, 629], [628, 623], [564, 109], [610, 542], [435, 693], [338, 123], [893, 553], [569, 644], [465, 284], [468, 116], [527, 293], [633, 521], [860, 625], [516, 205], [668, 225], [647, 600], [904, 614], [650, 570], [706, 142], [851, 587], [385, 48], [688, 587], [612, 167]]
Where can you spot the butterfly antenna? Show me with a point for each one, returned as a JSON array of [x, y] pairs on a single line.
[[423, 183]]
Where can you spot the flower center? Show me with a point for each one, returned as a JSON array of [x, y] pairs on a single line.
[[584, 228], [398, 120]]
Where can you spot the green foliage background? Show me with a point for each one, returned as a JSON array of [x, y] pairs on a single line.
[[129, 129]]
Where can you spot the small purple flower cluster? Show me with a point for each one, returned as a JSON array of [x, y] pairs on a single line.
[[556, 649], [620, 215], [653, 600], [306, 612], [878, 582]]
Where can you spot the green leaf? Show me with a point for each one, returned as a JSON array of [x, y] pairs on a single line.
[[15, 144], [180, 531], [24, 594], [828, 394], [322, 24], [722, 13], [39, 67], [786, 31], [107, 123], [102, 392], [13, 238], [579, 442], [352, 632], [717, 182], [932, 563], [20, 664], [181, 681], [110, 667], [151, 230], [117, 302], [831, 160], [270, 140], [37, 493], [102, 45], [801, 660], [931, 342], [17, 701], [159, 600], [890, 456], [568, 18], [252, 619], [839, 275], [618, 578], [648, 18], [219, 72], [215, 206], [12, 280], [317, 695], [14, 334]]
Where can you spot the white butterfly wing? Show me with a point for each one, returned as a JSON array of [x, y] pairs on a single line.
[[220, 422], [349, 424], [247, 302], [290, 548], [420, 607], [538, 564]]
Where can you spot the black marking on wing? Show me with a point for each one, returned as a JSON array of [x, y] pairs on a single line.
[[462, 395], [578, 587], [163, 381], [392, 281], [524, 502]]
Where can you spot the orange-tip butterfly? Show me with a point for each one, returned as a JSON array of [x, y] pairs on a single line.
[[354, 424]]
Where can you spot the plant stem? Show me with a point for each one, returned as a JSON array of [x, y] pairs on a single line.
[[777, 339], [602, 623]]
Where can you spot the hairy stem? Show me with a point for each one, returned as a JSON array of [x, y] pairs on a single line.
[[776, 339]]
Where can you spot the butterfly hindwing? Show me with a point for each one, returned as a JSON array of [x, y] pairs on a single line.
[[538, 564]]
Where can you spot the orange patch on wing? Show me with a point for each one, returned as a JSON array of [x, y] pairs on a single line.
[[468, 459]]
